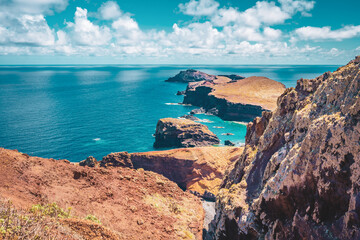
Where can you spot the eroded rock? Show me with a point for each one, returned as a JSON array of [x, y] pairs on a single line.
[[120, 159], [299, 175], [196, 169], [89, 161], [191, 75], [172, 132], [240, 100]]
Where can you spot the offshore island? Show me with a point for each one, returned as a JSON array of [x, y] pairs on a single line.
[[296, 177]]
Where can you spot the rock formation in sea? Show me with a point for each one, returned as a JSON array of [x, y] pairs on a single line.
[[191, 75], [173, 132], [196, 169], [190, 117], [240, 100], [119, 202], [299, 175], [229, 143]]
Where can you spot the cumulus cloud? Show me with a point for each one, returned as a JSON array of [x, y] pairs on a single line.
[[31, 30], [264, 13], [220, 32], [199, 8], [294, 6], [110, 10], [84, 32], [325, 33]]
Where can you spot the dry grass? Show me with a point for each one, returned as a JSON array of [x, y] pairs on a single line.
[[169, 206], [38, 223], [259, 91]]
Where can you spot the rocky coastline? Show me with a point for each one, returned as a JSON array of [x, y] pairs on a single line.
[[297, 177], [230, 97], [242, 99]]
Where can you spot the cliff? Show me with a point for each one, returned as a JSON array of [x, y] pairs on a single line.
[[173, 132], [299, 175], [130, 204], [235, 100], [196, 169]]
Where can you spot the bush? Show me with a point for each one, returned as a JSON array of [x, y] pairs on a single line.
[[16, 224], [51, 210], [92, 218]]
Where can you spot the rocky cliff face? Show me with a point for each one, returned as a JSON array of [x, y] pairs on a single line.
[[191, 75], [196, 169], [173, 132], [131, 204], [235, 100], [299, 175]]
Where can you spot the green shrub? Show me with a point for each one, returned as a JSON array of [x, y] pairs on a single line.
[[51, 210], [92, 218]]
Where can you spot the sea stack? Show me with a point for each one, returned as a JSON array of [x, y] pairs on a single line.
[[173, 132]]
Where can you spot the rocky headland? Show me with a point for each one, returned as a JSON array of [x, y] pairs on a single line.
[[199, 170], [173, 132], [241, 99], [191, 75], [106, 202], [299, 175]]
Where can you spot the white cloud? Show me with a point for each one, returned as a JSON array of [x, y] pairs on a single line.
[[195, 35], [220, 33], [325, 33], [294, 6], [199, 8], [110, 10], [26, 30], [35, 6], [263, 13], [84, 32], [127, 30]]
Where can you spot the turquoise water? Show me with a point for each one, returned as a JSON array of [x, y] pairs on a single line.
[[71, 112]]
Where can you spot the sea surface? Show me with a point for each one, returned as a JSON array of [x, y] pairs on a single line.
[[72, 112]]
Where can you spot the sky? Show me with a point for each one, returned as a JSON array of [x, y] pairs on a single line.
[[179, 31]]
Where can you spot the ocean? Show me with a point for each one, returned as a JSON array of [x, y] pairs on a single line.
[[72, 112]]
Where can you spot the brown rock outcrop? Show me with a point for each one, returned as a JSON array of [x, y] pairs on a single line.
[[191, 75], [89, 161], [173, 132], [133, 204], [299, 175], [196, 169], [120, 159], [240, 100]]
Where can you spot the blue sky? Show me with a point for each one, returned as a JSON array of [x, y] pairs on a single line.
[[179, 32]]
